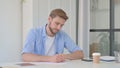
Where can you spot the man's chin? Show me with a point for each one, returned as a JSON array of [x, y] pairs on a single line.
[[55, 32]]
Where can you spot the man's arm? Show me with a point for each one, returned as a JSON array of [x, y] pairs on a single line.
[[75, 55], [28, 57]]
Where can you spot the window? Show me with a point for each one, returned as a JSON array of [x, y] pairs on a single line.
[[104, 26]]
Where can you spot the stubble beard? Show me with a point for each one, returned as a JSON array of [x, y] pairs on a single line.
[[51, 30]]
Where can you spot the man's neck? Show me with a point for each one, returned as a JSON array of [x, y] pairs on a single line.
[[48, 31]]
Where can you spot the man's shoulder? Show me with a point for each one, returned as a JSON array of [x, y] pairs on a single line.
[[36, 30]]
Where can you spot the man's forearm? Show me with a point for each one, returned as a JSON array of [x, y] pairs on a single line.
[[74, 55], [35, 58], [27, 57]]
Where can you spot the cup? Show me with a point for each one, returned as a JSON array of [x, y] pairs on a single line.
[[96, 57], [117, 56]]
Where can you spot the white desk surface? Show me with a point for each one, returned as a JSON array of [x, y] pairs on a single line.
[[67, 64]]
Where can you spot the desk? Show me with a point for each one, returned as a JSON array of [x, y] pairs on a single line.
[[68, 64]]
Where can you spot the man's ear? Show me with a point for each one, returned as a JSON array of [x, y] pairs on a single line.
[[49, 19]]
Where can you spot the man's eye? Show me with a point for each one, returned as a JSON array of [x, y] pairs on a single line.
[[61, 25]]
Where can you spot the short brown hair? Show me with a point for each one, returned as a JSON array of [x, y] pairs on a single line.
[[58, 12]]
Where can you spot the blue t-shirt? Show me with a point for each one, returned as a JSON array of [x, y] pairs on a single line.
[[36, 37]]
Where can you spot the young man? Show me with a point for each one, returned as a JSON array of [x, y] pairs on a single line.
[[47, 43]]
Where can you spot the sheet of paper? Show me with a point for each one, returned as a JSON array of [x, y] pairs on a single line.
[[37, 63]]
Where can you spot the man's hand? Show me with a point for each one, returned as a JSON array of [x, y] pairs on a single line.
[[57, 58]]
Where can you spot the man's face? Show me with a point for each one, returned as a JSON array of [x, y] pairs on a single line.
[[55, 24]]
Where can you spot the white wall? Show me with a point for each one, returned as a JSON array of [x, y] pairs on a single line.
[[27, 17], [10, 30]]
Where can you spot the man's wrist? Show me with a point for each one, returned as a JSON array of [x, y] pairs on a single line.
[[49, 58]]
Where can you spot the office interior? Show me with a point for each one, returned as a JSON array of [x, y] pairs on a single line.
[[92, 24]]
